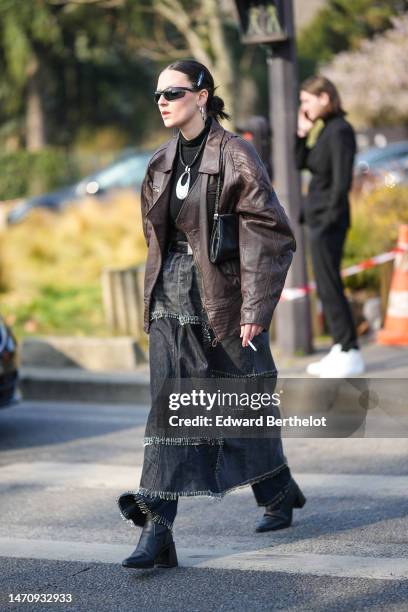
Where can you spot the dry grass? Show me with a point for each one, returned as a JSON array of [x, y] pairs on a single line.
[[51, 264]]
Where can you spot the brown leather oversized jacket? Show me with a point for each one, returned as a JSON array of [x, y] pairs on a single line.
[[237, 291]]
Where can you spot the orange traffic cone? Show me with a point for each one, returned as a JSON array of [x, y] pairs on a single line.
[[395, 329]]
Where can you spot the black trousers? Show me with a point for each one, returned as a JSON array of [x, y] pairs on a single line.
[[326, 251]]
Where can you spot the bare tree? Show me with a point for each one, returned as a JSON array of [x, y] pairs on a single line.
[[199, 28]]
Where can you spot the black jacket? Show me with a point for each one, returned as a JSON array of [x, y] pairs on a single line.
[[331, 163]]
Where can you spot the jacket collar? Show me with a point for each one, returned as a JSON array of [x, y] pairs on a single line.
[[210, 160], [330, 116]]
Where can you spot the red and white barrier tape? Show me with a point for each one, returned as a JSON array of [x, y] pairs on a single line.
[[294, 293]]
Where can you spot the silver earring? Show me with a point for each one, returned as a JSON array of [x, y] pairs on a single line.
[[203, 113]]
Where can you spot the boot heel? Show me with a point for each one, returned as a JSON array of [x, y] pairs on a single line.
[[300, 500], [167, 557]]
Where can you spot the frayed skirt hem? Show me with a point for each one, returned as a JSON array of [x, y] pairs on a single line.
[[133, 506]]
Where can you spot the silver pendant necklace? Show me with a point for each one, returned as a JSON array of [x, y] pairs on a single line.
[[182, 189], [183, 184]]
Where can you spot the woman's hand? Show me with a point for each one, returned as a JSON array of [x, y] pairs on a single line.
[[248, 331], [304, 124]]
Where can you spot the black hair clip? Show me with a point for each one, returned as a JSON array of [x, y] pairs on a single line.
[[200, 78]]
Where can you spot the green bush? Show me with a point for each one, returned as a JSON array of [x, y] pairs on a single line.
[[376, 218], [25, 173]]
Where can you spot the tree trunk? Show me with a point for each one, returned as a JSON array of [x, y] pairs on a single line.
[[35, 117], [223, 67]]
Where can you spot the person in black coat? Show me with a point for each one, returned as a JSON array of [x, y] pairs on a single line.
[[326, 213]]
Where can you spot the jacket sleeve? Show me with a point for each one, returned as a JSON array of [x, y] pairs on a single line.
[[146, 194], [342, 151], [266, 240], [301, 152]]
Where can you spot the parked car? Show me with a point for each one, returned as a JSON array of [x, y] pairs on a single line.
[[126, 172], [381, 166], [8, 366]]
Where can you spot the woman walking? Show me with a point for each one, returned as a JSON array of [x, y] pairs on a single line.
[[327, 215], [202, 316]]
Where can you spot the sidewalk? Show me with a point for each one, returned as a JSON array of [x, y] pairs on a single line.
[[75, 384], [381, 361]]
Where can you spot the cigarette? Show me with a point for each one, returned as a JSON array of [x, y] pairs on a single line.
[[253, 347]]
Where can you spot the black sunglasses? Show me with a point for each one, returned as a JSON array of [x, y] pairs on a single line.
[[172, 93]]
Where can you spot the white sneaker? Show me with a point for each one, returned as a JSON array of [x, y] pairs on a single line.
[[344, 364], [316, 367]]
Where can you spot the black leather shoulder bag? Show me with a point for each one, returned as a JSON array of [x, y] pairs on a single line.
[[224, 241]]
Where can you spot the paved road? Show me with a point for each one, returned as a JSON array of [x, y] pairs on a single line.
[[62, 467]]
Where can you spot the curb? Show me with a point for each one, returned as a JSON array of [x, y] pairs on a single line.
[[74, 384]]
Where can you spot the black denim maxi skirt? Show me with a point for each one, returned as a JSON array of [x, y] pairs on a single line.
[[181, 346]]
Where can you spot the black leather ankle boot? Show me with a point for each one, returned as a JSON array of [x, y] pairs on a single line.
[[281, 517], [155, 548]]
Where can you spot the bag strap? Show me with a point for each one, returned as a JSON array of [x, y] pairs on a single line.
[[219, 180]]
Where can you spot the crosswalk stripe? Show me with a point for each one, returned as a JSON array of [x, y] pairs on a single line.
[[265, 560], [108, 476], [351, 566], [78, 475], [113, 477]]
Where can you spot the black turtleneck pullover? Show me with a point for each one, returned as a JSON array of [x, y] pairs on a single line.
[[189, 149]]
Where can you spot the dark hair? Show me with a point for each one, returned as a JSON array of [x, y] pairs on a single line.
[[201, 78], [317, 85]]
